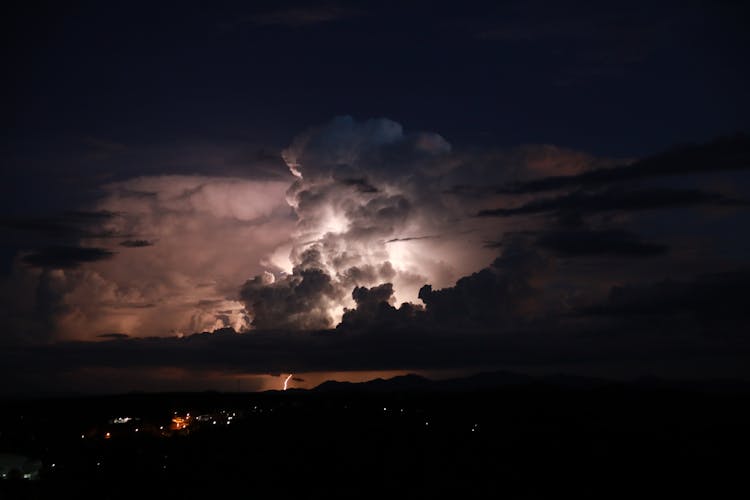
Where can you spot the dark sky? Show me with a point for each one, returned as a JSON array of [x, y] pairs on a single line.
[[583, 167]]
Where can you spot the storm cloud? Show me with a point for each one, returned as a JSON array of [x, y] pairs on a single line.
[[362, 190], [714, 303]]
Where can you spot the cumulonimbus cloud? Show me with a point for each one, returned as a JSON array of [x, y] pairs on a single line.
[[364, 193]]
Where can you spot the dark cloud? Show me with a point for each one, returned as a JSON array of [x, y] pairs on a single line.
[[301, 300], [136, 243], [723, 154], [67, 229], [369, 297], [501, 294], [130, 305], [610, 200], [113, 336], [413, 238], [586, 243], [717, 303], [65, 257], [70, 225], [375, 310], [268, 352]]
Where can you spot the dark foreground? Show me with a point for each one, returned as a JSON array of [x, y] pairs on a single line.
[[528, 440]]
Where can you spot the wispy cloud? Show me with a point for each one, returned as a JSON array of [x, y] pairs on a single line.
[[64, 257], [611, 200], [723, 154], [136, 243]]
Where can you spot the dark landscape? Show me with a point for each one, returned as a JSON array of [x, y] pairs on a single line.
[[495, 434]]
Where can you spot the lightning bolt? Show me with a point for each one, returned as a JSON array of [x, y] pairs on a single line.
[[286, 381]]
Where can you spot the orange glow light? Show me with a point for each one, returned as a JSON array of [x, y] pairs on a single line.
[[179, 423]]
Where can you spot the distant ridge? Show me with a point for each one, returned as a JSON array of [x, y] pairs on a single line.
[[477, 382], [410, 382], [503, 379]]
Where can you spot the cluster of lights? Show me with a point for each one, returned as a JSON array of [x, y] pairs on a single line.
[[122, 420], [226, 417], [180, 423]]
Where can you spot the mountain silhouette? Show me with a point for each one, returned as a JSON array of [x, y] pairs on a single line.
[[478, 382]]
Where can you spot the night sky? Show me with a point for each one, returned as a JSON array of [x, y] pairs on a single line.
[[209, 195]]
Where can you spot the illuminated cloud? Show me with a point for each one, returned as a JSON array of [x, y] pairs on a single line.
[[363, 190], [195, 240]]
